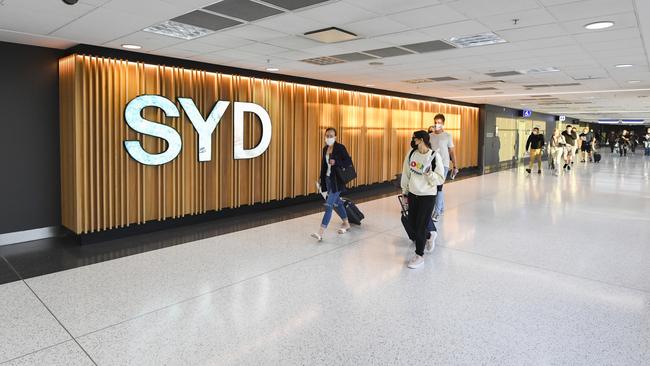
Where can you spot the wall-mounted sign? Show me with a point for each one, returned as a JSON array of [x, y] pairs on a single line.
[[526, 113], [204, 128], [562, 118]]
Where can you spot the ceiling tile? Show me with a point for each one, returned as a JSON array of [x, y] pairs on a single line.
[[262, 49], [243, 9], [392, 6], [293, 42], [291, 24], [375, 27], [463, 28], [336, 14], [427, 17], [482, 8], [525, 18], [206, 20], [590, 9], [253, 33]]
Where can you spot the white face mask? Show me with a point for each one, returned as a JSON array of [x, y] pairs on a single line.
[[330, 141], [438, 127]]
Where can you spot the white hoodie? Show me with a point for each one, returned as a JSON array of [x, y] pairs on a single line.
[[417, 177]]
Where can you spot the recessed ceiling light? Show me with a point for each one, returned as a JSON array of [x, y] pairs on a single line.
[[131, 46], [620, 66], [370, 85], [272, 69], [599, 25], [331, 35], [634, 81]]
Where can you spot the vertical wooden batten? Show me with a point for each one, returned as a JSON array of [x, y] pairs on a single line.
[[103, 188]]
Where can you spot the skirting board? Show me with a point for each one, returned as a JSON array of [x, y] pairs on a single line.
[[29, 235]]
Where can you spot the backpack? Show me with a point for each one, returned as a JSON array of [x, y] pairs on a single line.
[[433, 162]]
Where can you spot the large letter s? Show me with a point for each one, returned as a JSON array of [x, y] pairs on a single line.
[[133, 116]]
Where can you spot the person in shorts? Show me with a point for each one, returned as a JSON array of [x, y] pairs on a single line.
[[570, 139], [587, 145]]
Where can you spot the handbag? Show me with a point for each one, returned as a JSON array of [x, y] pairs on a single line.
[[346, 173]]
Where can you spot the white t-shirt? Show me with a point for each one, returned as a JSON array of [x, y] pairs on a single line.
[[329, 167], [442, 142]]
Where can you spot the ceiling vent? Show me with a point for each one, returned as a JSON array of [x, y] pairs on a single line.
[[549, 85], [417, 81], [355, 56], [322, 61], [503, 73], [486, 88], [294, 4], [443, 78], [388, 52], [483, 39], [206, 20], [491, 82], [243, 9], [331, 35], [430, 46], [540, 70]]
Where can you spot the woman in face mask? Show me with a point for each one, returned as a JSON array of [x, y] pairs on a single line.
[[334, 154], [423, 171]]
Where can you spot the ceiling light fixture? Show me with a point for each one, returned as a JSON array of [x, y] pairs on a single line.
[[599, 25], [370, 85], [634, 81], [482, 39], [174, 29], [620, 66], [131, 46], [270, 67]]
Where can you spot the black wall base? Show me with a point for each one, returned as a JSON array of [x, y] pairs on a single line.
[[153, 226]]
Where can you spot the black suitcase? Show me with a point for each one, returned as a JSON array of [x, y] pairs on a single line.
[[597, 157], [354, 214], [405, 217]]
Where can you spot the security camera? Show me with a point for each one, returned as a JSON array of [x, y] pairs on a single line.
[[70, 2]]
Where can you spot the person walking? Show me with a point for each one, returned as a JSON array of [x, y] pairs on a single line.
[[333, 154], [443, 143], [570, 138], [536, 143], [422, 172], [646, 143], [586, 145], [611, 140], [557, 145], [623, 143]]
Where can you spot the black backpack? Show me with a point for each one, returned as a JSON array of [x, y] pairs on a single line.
[[433, 162]]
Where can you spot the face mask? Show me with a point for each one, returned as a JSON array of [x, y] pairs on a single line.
[[413, 144], [438, 127], [330, 141], [534, 132]]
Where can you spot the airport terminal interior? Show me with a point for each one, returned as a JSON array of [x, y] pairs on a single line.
[[325, 182]]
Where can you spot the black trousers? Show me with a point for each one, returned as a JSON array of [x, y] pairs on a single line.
[[420, 211]]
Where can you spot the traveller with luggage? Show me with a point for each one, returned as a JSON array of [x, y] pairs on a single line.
[[334, 160], [422, 172]]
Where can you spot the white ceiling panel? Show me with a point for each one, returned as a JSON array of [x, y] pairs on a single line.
[[26, 16], [36, 40], [524, 18], [428, 17], [291, 24], [336, 13], [463, 28], [392, 6], [482, 8], [590, 9], [253, 33], [224, 41], [262, 49], [293, 43], [375, 27], [148, 41], [531, 33]]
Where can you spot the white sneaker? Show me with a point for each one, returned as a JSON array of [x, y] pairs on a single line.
[[431, 242], [317, 236], [416, 262]]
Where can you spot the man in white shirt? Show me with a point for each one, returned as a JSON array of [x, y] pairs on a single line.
[[442, 142]]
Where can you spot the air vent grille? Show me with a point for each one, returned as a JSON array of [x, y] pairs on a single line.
[[417, 81], [322, 61], [503, 73]]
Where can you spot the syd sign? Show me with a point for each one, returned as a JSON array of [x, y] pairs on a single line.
[[204, 128]]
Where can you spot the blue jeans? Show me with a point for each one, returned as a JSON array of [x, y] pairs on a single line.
[[333, 202], [647, 151], [440, 197]]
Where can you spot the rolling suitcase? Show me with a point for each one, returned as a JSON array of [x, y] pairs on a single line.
[[354, 214], [597, 157], [405, 217]]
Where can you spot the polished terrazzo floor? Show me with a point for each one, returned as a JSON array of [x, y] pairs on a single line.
[[528, 270]]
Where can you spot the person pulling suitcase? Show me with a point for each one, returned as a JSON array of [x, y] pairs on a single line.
[[422, 172]]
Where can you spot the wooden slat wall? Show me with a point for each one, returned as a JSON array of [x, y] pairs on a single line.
[[103, 188]]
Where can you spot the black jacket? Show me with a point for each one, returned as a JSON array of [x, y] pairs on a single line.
[[341, 157], [535, 141]]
